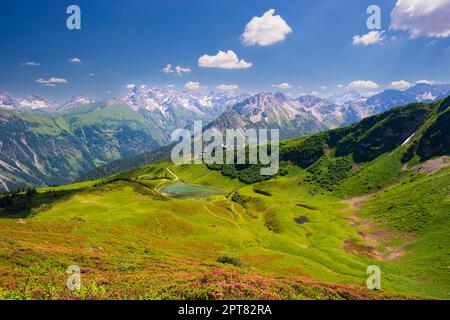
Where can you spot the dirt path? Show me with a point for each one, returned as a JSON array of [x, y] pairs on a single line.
[[159, 184], [220, 217], [176, 177], [236, 212], [356, 203]]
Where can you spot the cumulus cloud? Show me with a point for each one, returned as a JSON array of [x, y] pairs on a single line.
[[265, 30], [323, 88], [223, 60], [340, 86], [191, 85], [401, 84], [373, 37], [182, 70], [362, 85], [422, 17], [30, 64], [282, 86], [168, 69], [52, 82], [426, 82], [178, 70], [131, 86], [227, 87], [74, 60]]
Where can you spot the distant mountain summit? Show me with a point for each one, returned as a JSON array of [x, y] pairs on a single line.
[[271, 111], [35, 102], [167, 102], [421, 92], [76, 101], [345, 97], [7, 102]]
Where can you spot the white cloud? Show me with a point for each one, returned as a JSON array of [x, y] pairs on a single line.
[[191, 85], [340, 86], [91, 74], [362, 84], [168, 69], [282, 86], [323, 88], [52, 82], [315, 93], [422, 17], [182, 70], [30, 64], [178, 69], [74, 60], [426, 82], [401, 84], [373, 37], [227, 87], [131, 86], [265, 30], [170, 86], [223, 60]]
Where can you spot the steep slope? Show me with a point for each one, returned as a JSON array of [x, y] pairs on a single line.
[[167, 110], [346, 154], [270, 111], [40, 149], [328, 113], [388, 99]]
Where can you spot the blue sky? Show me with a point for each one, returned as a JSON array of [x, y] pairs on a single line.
[[130, 42]]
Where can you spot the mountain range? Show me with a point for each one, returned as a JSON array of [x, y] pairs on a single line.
[[372, 193], [44, 143]]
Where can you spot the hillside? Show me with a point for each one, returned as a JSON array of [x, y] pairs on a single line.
[[41, 149], [376, 192]]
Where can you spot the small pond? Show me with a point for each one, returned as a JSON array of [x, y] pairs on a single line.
[[301, 220], [184, 190]]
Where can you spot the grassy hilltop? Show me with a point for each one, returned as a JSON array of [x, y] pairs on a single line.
[[374, 193]]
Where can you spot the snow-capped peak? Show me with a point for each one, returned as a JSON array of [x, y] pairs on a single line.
[[166, 101], [7, 102], [35, 102], [345, 97], [76, 101]]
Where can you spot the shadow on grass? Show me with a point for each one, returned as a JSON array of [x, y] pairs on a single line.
[[25, 206]]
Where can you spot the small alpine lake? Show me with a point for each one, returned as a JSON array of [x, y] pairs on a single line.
[[184, 190]]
